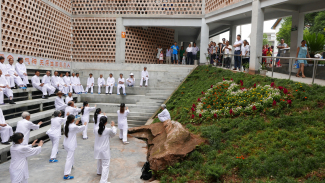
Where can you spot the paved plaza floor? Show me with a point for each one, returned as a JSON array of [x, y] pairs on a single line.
[[125, 166], [296, 79]]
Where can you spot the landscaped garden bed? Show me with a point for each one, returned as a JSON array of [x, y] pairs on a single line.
[[258, 129]]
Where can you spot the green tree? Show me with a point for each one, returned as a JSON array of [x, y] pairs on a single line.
[[265, 40], [285, 31], [319, 24]]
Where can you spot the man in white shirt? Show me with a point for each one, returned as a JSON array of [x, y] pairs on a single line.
[[245, 53], [80, 87], [90, 83], [67, 80], [24, 126], [227, 50], [100, 82], [13, 74], [189, 54], [6, 74], [59, 102], [40, 86], [68, 98], [130, 81], [5, 130], [237, 52], [57, 83], [120, 85], [280, 46], [144, 77], [164, 115], [195, 50], [22, 71], [5, 88], [47, 82], [74, 84], [110, 83], [64, 87], [72, 109]]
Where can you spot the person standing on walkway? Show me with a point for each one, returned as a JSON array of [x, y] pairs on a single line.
[[19, 153], [85, 117], [24, 126], [282, 45], [175, 49], [159, 49], [227, 50], [102, 147], [245, 52], [122, 121], [54, 133], [169, 53], [195, 50], [97, 115], [189, 54], [302, 52], [70, 143], [237, 46]]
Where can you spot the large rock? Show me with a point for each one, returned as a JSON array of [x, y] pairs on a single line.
[[168, 142]]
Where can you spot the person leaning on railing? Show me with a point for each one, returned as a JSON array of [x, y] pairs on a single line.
[[302, 52]]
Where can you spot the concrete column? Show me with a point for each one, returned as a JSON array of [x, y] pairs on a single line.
[[298, 20], [120, 42], [204, 41], [176, 37], [232, 34], [256, 36]]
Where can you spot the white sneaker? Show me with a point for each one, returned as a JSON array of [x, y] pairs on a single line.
[[126, 143]]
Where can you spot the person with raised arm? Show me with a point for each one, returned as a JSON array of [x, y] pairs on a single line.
[[122, 121], [24, 126], [85, 117]]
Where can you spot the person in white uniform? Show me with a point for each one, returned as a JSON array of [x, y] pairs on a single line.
[[58, 83], [5, 89], [19, 153], [144, 77], [46, 80], [59, 103], [97, 115], [5, 130], [68, 98], [3, 68], [62, 83], [130, 81], [164, 115], [122, 121], [101, 83], [74, 84], [90, 83], [24, 126], [110, 83], [70, 143], [67, 80], [72, 109], [120, 85], [102, 148], [78, 83], [13, 74], [22, 71], [54, 133], [85, 117], [40, 86]]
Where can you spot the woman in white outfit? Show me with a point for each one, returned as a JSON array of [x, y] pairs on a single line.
[[22, 71], [85, 117], [97, 115], [5, 130], [18, 165], [102, 147], [123, 122], [54, 133], [70, 143]]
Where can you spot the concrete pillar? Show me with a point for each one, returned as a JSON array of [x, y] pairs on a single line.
[[120, 42], [204, 41], [232, 34], [298, 20], [256, 36]]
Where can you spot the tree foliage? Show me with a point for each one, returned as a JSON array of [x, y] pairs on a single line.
[[319, 24], [265, 40], [285, 31]]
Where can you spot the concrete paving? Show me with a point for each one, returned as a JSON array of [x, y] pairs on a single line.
[[296, 79], [125, 167]]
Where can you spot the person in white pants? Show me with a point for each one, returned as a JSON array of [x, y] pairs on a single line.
[[90, 83], [130, 81], [164, 115], [3, 68], [100, 82], [5, 130], [13, 74], [22, 71], [64, 87], [58, 83], [122, 121], [70, 143], [19, 153], [41, 86], [120, 85], [24, 126], [102, 147], [110, 84], [85, 117], [5, 88], [54, 133], [78, 83], [67, 80], [46, 80], [144, 77], [74, 84]]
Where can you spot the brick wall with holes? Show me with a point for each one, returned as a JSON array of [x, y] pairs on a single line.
[[211, 5], [137, 7], [141, 44], [93, 39], [32, 27], [64, 4]]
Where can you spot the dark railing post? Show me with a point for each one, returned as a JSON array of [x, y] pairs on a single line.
[[272, 65], [290, 67]]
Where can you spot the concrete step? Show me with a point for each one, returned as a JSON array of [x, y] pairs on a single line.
[[103, 98], [159, 94], [112, 108], [36, 116], [27, 103]]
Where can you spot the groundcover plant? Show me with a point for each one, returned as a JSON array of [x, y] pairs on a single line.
[[257, 129]]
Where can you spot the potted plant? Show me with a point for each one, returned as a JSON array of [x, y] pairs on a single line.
[[263, 70], [315, 43], [246, 66]]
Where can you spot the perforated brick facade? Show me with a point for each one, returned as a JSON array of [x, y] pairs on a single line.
[[94, 39], [64, 4], [137, 7], [31, 27], [141, 44], [211, 5]]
